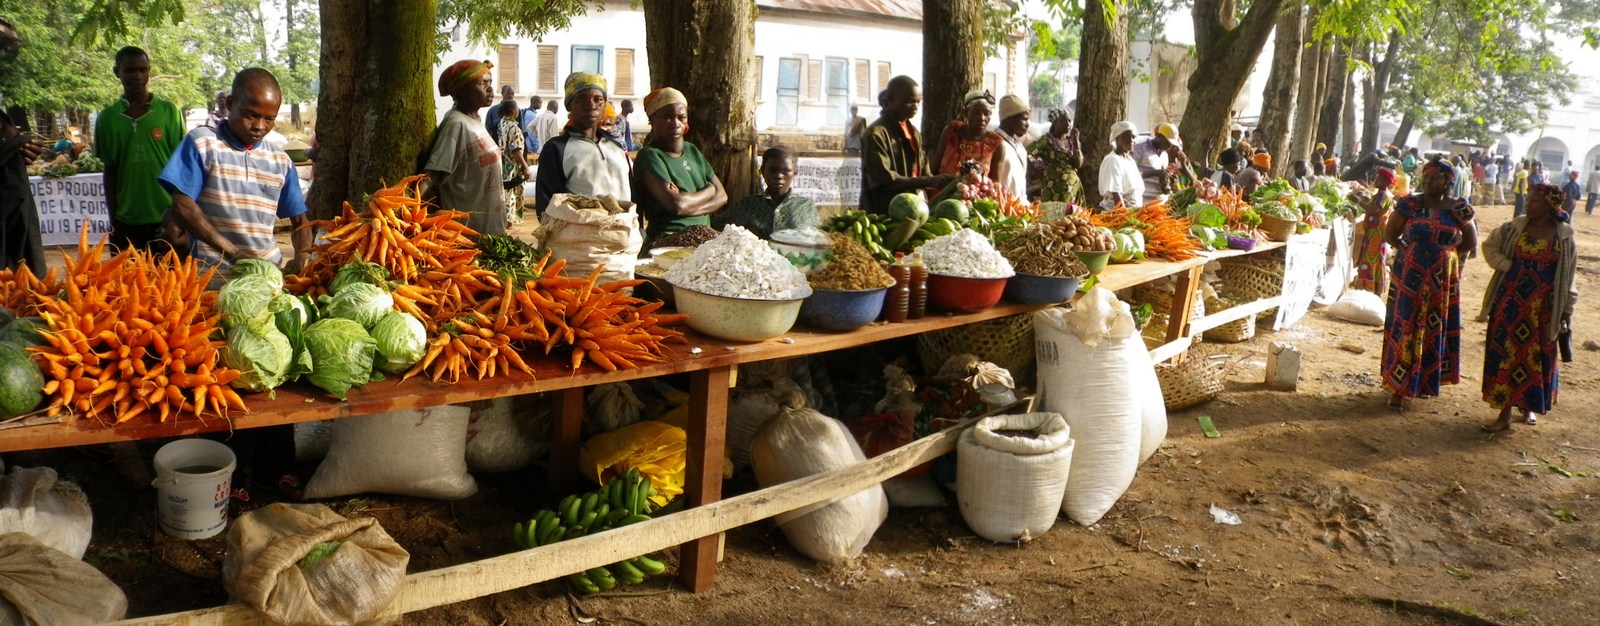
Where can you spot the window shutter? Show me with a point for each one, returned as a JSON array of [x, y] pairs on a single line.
[[863, 79], [547, 69], [508, 67], [814, 80], [761, 76], [624, 71], [883, 75]]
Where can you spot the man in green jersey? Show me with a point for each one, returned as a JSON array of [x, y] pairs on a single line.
[[134, 137]]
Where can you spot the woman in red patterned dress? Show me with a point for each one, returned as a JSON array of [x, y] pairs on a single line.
[[969, 139]]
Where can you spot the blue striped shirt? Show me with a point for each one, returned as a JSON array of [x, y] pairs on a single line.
[[242, 190]]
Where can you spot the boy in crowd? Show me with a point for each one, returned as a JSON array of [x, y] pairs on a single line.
[[775, 209]]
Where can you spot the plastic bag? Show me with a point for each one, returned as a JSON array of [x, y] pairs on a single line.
[[43, 586], [589, 238], [800, 443], [417, 452], [610, 406], [269, 565], [55, 512], [657, 449], [1361, 307]]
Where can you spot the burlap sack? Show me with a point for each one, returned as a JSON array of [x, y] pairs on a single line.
[[587, 238], [43, 586], [349, 586]]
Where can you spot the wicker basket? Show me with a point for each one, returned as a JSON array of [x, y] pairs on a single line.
[[1160, 301], [1007, 342], [1231, 332], [1277, 228], [1248, 280], [1194, 381]]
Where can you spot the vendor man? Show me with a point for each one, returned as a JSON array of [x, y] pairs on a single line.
[[1157, 157], [135, 136], [229, 187], [892, 159], [582, 159]]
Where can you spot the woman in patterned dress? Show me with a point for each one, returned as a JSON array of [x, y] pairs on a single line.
[[1372, 272], [1534, 258], [1056, 159], [969, 139], [1429, 232]]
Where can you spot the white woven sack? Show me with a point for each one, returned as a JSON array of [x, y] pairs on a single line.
[[1152, 404], [801, 442], [417, 452], [1010, 487], [499, 439], [54, 512], [1361, 307], [587, 238], [1094, 387]]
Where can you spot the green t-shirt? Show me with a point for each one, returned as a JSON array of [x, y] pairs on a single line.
[[139, 149], [689, 171]]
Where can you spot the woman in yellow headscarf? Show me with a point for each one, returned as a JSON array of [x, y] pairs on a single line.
[[674, 185]]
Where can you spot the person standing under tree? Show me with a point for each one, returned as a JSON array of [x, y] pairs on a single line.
[[514, 168], [1593, 187], [526, 119], [548, 124], [968, 138], [854, 131], [508, 102], [1530, 300], [1571, 192], [19, 216], [1372, 254], [583, 159], [892, 160], [135, 137], [1057, 157], [675, 186], [1013, 174], [463, 164], [624, 128], [1120, 182]]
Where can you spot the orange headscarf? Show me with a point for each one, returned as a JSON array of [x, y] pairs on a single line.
[[1261, 160], [461, 73]]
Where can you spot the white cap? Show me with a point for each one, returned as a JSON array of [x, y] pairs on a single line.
[[1123, 126]]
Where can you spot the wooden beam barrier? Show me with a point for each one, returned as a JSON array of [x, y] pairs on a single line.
[[458, 583]]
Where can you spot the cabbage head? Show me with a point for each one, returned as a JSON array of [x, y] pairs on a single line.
[[362, 303], [341, 355], [247, 301], [261, 352], [1129, 245], [359, 272], [402, 339], [257, 267]]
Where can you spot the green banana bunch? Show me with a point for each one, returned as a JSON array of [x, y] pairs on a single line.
[[622, 501], [869, 229], [933, 229]]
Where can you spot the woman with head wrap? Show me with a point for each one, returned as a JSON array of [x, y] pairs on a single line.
[[1371, 253], [583, 159], [1120, 182], [1530, 300], [1013, 172], [1057, 157], [1430, 232], [968, 138], [674, 187], [463, 165], [1254, 174]]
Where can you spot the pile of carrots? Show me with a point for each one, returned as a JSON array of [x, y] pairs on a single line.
[[598, 322], [1164, 235], [132, 336], [20, 289]]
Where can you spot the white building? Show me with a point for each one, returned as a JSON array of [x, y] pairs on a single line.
[[817, 58]]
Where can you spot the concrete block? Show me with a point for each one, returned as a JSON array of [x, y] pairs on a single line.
[[1283, 366]]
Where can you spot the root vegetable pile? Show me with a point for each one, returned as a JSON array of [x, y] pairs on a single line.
[[20, 289], [1164, 235], [1083, 235], [1043, 250], [133, 336]]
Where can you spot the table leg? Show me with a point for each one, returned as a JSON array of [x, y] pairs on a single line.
[[708, 421], [1181, 316], [566, 434]]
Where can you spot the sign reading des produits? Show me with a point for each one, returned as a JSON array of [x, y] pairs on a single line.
[[68, 205]]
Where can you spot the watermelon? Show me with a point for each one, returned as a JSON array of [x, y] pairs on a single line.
[[21, 381], [952, 208], [909, 206], [24, 331]]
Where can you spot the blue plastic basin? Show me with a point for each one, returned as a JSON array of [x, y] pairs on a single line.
[[842, 311]]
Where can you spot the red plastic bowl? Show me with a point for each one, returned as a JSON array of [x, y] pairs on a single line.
[[964, 295]]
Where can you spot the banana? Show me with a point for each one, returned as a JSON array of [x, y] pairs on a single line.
[[649, 565], [589, 502], [573, 532], [602, 578], [519, 536], [549, 532], [569, 510], [587, 521], [616, 516], [583, 583], [600, 512], [626, 573], [633, 519], [634, 476], [631, 501]]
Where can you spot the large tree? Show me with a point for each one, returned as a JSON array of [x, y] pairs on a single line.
[[1283, 86], [1102, 85], [719, 80], [1227, 46], [1312, 70], [1334, 80], [952, 59]]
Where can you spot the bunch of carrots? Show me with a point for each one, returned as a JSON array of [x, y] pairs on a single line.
[[598, 322], [133, 335], [1234, 207], [1164, 235], [20, 289]]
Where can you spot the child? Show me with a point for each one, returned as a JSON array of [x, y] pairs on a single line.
[[774, 209]]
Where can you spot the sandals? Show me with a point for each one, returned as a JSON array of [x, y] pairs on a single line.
[[1531, 418]]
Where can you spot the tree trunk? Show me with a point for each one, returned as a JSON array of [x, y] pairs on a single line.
[[377, 74], [1103, 90], [288, 35], [1402, 135], [717, 80], [1377, 86], [1304, 138], [1332, 97], [1283, 87], [1347, 123], [952, 61], [1227, 53]]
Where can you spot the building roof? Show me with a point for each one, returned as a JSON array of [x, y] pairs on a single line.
[[899, 9]]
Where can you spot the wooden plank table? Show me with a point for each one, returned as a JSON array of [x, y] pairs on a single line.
[[710, 364]]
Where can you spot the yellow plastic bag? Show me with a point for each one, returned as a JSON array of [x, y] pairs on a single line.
[[657, 449]]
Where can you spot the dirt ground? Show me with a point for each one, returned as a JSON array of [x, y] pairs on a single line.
[[1352, 513]]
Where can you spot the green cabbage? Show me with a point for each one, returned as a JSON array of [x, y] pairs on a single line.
[[401, 339], [248, 300], [1129, 245], [359, 272], [1213, 237], [261, 352], [363, 303], [1206, 214], [257, 267], [341, 355]]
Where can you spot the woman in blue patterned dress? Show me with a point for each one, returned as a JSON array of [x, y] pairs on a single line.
[[1534, 257], [1429, 232]]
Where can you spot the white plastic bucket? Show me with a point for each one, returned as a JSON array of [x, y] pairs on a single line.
[[193, 482]]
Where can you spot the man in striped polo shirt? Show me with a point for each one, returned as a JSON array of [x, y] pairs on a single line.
[[229, 186]]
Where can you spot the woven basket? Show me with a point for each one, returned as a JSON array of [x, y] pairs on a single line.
[[1194, 381], [1247, 280], [1160, 301], [1007, 342], [1277, 228], [1231, 332]]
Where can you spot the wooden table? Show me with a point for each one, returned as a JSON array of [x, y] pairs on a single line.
[[710, 364]]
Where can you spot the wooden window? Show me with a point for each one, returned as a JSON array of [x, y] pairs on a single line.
[[884, 74], [624, 84], [814, 80], [508, 66], [863, 79], [761, 76], [547, 69]]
